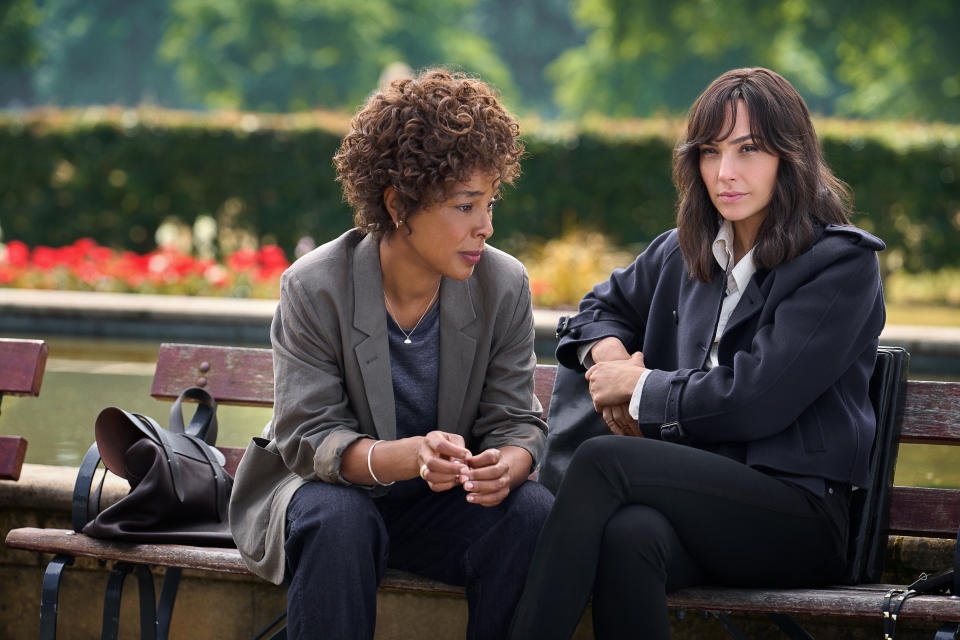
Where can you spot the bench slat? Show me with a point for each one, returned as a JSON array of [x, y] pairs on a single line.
[[167, 555], [236, 375], [920, 511], [22, 363], [232, 375], [931, 414], [222, 559], [543, 385], [859, 601], [13, 449]]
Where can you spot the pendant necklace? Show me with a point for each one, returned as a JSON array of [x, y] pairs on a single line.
[[406, 335]]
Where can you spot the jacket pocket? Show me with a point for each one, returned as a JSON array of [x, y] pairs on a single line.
[[258, 478]]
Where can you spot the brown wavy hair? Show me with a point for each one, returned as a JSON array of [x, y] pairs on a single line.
[[421, 135], [806, 191]]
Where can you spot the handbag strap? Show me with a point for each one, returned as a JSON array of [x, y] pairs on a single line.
[[219, 475], [892, 602], [943, 582], [162, 437], [83, 509], [203, 424]]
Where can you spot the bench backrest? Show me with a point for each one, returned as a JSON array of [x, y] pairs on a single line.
[[22, 363], [931, 415]]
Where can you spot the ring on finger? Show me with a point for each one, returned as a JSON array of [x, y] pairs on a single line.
[[423, 471]]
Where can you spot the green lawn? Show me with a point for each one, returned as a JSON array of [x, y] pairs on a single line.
[[940, 316]]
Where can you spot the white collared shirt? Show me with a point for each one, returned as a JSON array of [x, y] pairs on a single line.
[[738, 276]]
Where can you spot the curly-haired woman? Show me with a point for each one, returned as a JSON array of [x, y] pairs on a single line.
[[405, 421]]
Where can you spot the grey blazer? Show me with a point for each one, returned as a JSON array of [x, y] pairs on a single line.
[[332, 381]]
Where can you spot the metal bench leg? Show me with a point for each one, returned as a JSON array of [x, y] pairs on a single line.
[[948, 631], [168, 596], [50, 596], [281, 633], [729, 625], [789, 626], [111, 603]]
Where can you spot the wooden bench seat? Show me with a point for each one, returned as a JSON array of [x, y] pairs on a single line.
[[930, 414], [859, 601], [22, 363]]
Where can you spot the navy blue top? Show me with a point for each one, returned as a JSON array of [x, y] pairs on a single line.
[[415, 370]]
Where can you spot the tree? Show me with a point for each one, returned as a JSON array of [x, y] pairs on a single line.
[[857, 58], [19, 51], [102, 52], [529, 35], [298, 54]]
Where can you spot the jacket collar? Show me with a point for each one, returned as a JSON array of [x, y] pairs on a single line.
[[458, 342], [458, 348], [373, 351]]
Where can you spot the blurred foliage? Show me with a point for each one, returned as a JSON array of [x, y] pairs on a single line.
[[856, 58], [19, 49], [276, 55], [529, 35], [103, 52], [563, 269], [926, 288], [115, 175], [877, 58]]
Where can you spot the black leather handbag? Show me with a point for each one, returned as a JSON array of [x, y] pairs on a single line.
[[179, 489], [572, 420]]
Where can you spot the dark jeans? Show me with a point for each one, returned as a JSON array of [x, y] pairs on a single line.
[[635, 519], [340, 541]]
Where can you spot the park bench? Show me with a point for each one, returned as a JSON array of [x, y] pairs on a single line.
[[22, 363], [914, 411]]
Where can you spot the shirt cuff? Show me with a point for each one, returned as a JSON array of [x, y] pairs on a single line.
[[583, 354], [637, 392]]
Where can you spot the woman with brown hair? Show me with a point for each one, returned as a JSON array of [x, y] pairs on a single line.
[[732, 360], [405, 422]]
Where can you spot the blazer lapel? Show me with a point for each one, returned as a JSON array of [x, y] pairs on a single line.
[[457, 351], [373, 351]]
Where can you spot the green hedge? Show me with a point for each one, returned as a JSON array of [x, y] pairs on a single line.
[[115, 176]]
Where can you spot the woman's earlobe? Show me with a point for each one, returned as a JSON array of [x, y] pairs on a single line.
[[391, 204]]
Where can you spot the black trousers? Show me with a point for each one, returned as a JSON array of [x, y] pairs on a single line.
[[636, 518]]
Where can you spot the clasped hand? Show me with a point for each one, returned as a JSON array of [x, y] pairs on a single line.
[[612, 380], [444, 461]]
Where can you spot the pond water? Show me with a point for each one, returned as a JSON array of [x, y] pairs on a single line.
[[83, 376]]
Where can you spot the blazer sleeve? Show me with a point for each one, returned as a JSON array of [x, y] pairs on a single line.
[[509, 411], [618, 307], [313, 422], [828, 315]]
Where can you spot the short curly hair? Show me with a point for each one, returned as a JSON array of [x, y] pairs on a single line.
[[421, 135]]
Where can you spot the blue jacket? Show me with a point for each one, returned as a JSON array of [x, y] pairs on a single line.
[[790, 393]]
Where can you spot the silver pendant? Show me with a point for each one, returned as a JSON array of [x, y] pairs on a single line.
[[407, 341]]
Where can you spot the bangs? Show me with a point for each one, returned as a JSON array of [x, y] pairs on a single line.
[[708, 122]]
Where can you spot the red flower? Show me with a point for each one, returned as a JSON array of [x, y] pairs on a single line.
[[242, 260], [44, 258], [18, 255]]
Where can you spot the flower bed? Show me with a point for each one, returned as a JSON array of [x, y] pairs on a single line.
[[87, 266]]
